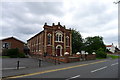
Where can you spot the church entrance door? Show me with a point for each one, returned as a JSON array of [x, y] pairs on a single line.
[[59, 50]]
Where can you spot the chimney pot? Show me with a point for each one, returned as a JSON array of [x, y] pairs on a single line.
[[64, 26], [58, 23], [53, 24], [45, 23]]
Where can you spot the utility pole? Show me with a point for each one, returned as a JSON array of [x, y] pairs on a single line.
[[118, 2]]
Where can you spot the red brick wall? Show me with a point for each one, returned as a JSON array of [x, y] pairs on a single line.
[[49, 48], [36, 44], [15, 44]]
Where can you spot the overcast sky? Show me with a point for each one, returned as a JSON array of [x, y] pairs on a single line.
[[90, 17]]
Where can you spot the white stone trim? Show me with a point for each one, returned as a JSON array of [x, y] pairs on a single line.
[[60, 49]]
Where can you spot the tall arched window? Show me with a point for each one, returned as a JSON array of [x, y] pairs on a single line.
[[67, 41], [49, 39], [59, 37]]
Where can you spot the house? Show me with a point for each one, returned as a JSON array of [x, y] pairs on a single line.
[[53, 40], [111, 48], [11, 43]]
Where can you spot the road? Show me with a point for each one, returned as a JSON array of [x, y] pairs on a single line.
[[95, 69]]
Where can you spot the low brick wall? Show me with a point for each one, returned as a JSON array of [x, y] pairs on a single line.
[[90, 57], [68, 59], [73, 59]]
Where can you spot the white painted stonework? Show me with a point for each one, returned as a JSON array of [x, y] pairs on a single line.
[[111, 48]]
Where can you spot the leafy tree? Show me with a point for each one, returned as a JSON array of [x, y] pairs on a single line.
[[77, 41], [100, 53], [92, 44]]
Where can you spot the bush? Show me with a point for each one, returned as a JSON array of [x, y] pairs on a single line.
[[14, 53], [21, 55], [100, 53]]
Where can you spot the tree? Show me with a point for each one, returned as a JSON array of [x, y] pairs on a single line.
[[100, 53], [77, 41], [92, 44]]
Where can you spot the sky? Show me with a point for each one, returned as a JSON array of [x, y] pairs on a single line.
[[90, 17]]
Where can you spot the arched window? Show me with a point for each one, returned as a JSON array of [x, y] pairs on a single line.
[[67, 41], [59, 37], [49, 39]]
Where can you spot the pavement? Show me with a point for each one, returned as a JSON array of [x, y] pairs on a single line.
[[9, 65], [104, 68]]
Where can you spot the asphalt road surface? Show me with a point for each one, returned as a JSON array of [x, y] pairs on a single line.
[[100, 69]]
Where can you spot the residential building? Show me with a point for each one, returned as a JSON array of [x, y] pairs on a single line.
[[12, 42], [111, 48]]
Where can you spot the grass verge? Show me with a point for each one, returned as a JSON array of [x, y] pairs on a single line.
[[4, 57], [113, 56], [100, 58]]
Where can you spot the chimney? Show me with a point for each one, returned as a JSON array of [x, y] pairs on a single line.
[[64, 26], [45, 24], [112, 43], [58, 23], [53, 24]]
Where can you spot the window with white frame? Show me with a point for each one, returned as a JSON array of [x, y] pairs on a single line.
[[59, 37], [67, 41], [6, 45]]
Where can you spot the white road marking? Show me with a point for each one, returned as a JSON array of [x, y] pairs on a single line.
[[98, 69], [12, 68], [73, 77], [114, 64]]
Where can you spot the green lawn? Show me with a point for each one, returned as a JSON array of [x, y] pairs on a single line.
[[113, 56], [4, 57], [100, 58]]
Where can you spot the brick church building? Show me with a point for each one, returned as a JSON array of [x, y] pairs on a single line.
[[53, 40]]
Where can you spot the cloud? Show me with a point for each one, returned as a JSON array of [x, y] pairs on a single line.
[[89, 17], [45, 8]]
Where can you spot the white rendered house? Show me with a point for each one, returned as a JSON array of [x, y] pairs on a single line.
[[111, 48]]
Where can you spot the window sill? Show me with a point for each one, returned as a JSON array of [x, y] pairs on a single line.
[[49, 45], [59, 41], [67, 46]]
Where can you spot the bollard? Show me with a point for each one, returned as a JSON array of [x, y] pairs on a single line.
[[58, 61], [39, 62], [18, 64]]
